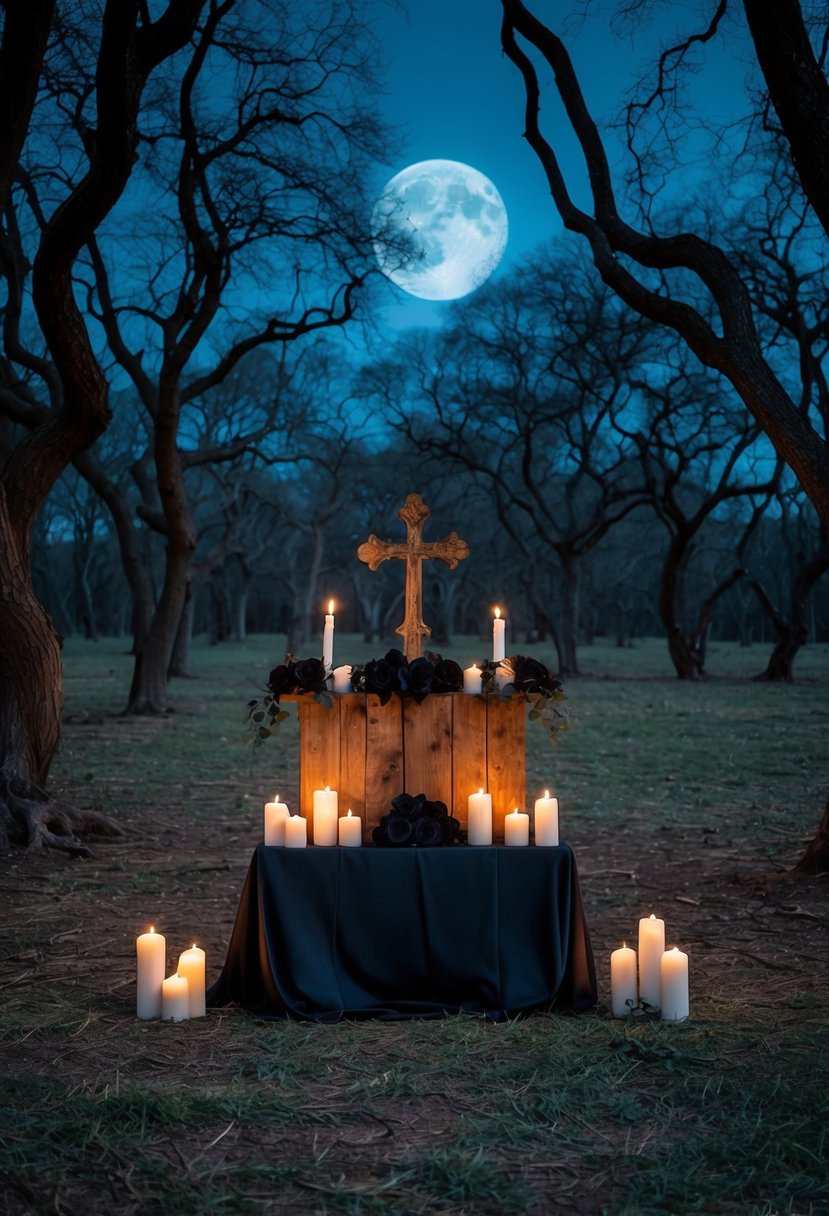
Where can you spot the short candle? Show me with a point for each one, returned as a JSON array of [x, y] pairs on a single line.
[[546, 820], [276, 813], [479, 812], [191, 967], [325, 816], [651, 949], [342, 678], [624, 994], [351, 831], [175, 999], [472, 677], [151, 965], [517, 828], [674, 974], [296, 832]]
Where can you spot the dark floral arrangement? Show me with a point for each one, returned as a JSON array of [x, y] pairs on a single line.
[[419, 678], [415, 821]]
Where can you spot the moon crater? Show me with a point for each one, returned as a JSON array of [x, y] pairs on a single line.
[[440, 228]]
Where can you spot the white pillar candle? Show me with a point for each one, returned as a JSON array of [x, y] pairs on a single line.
[[651, 949], [674, 974], [175, 999], [546, 820], [623, 987], [325, 817], [498, 641], [472, 679], [517, 828], [328, 638], [479, 811], [151, 965], [276, 813], [296, 832], [351, 831], [191, 968], [342, 678]]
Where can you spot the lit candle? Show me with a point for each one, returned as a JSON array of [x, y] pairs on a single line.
[[498, 643], [175, 999], [479, 810], [296, 832], [546, 820], [651, 949], [342, 678], [351, 831], [276, 813], [151, 957], [191, 968], [472, 679], [623, 991], [674, 975], [325, 816], [328, 638], [517, 828]]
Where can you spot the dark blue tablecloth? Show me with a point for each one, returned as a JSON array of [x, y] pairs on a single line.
[[326, 933]]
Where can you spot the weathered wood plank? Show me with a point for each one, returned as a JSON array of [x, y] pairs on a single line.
[[505, 760], [352, 707], [384, 756], [469, 752], [427, 747], [319, 754]]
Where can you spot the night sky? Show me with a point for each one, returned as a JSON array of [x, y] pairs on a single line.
[[453, 94]]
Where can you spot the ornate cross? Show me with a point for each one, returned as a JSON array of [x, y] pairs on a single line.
[[414, 552]]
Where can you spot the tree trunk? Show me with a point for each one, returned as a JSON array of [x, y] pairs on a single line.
[[180, 658], [571, 570], [148, 692], [683, 656], [793, 633], [816, 858], [31, 702]]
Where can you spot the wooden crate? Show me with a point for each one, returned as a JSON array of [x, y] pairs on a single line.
[[447, 747]]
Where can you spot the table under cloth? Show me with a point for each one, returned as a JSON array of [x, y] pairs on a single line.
[[325, 933]]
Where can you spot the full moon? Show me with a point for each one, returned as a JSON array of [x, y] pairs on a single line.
[[440, 229]]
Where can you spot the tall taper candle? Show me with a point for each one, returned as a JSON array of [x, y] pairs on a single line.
[[151, 959], [498, 641], [328, 638], [651, 949]]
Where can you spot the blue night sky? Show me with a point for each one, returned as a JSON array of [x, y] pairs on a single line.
[[454, 95]]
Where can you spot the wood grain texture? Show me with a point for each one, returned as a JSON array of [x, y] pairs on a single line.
[[505, 760], [352, 707], [319, 755], [468, 752], [384, 756], [427, 748]]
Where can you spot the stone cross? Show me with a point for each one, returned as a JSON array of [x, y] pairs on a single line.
[[414, 552]]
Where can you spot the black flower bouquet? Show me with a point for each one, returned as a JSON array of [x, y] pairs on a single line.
[[418, 678], [414, 820]]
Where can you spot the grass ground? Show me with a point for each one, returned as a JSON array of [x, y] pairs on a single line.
[[691, 800]]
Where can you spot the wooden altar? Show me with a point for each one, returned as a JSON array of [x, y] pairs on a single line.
[[449, 746]]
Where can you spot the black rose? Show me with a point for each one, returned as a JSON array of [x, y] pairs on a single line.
[[427, 832], [380, 679], [282, 679], [447, 676], [409, 806], [436, 810], [310, 675], [417, 678], [449, 829], [395, 659], [398, 831], [529, 675]]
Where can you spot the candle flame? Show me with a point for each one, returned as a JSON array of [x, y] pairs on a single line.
[[481, 790], [497, 614], [675, 950], [330, 607], [546, 793], [349, 813], [328, 789], [624, 945], [152, 928], [653, 916], [194, 945], [515, 812]]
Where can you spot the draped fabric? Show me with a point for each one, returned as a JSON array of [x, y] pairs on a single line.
[[323, 933]]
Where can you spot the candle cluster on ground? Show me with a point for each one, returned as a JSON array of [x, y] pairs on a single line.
[[176, 997], [660, 981]]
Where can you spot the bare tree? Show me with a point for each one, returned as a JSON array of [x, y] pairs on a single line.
[[129, 48]]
